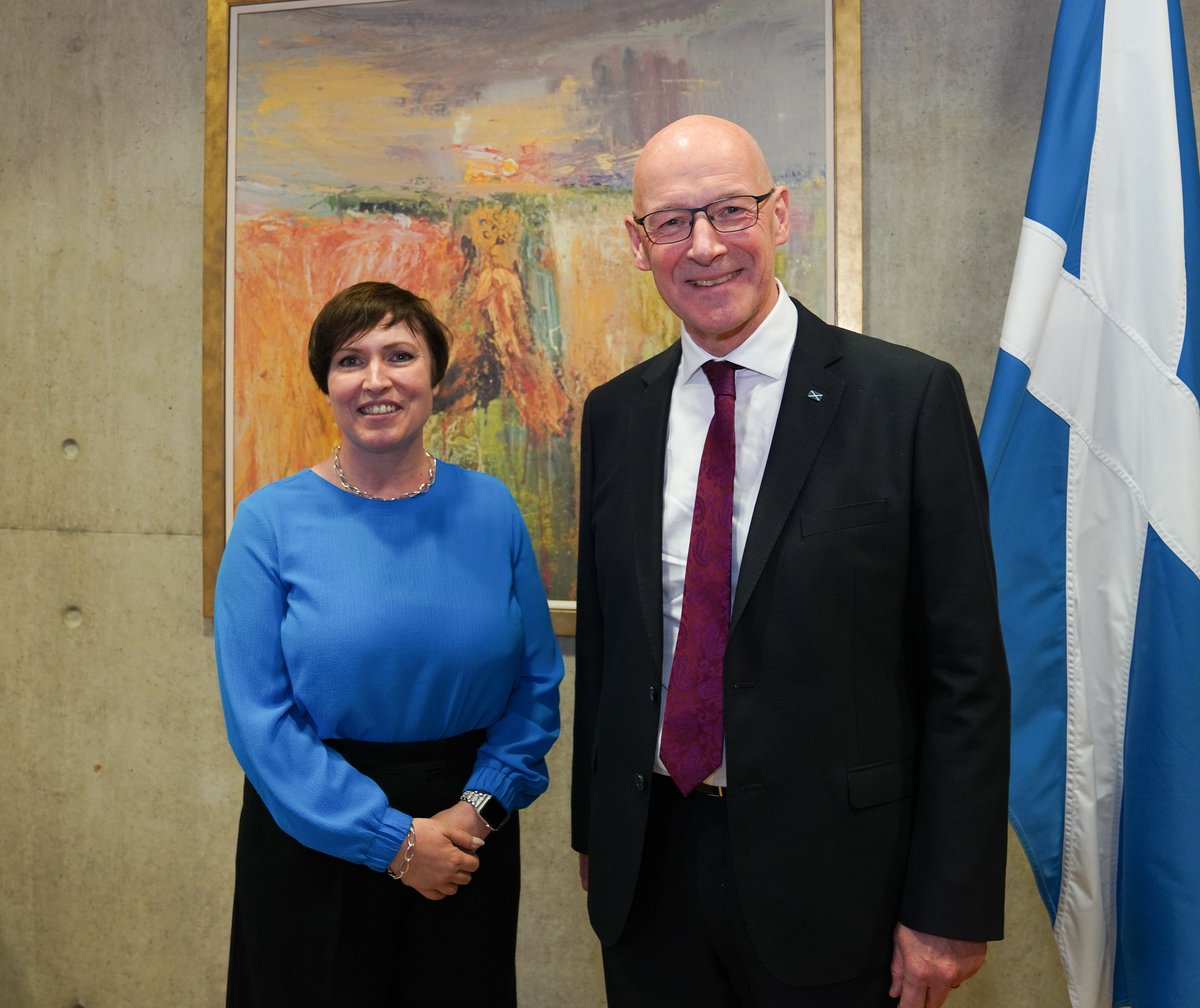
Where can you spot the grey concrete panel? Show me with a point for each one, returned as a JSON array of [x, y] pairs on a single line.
[[120, 793], [100, 169]]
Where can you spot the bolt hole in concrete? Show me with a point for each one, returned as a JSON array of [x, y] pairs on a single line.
[[70, 448], [73, 617]]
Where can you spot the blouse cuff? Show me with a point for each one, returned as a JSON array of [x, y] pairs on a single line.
[[496, 783], [392, 830]]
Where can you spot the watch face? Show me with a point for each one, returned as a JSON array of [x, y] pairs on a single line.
[[493, 813]]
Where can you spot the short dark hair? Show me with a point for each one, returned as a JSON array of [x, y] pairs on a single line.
[[362, 307]]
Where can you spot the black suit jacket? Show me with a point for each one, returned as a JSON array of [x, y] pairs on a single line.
[[866, 694]]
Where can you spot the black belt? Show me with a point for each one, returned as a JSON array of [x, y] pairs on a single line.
[[705, 790], [369, 757]]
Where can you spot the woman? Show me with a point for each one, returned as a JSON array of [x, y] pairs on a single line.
[[389, 677]]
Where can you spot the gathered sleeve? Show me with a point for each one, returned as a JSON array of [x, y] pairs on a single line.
[[311, 791], [512, 762]]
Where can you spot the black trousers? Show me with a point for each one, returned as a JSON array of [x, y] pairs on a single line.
[[686, 944], [314, 931]]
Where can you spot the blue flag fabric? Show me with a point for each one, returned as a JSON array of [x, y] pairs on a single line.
[[1092, 444]]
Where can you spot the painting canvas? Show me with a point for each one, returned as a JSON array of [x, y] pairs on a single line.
[[481, 155]]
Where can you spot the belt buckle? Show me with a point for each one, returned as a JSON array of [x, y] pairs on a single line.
[[711, 790]]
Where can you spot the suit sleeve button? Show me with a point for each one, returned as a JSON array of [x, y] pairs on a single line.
[[639, 781]]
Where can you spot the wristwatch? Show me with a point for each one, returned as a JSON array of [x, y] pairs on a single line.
[[490, 810]]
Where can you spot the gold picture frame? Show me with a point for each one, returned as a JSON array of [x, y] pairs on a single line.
[[843, 224]]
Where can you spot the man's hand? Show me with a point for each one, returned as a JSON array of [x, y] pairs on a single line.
[[583, 871], [925, 968]]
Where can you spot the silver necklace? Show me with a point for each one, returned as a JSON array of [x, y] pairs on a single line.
[[337, 468]]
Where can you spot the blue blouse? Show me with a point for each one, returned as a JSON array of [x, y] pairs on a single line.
[[382, 621]]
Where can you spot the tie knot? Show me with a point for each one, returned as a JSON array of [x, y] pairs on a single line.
[[720, 376]]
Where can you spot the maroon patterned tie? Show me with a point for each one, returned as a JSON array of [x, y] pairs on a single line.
[[693, 725]]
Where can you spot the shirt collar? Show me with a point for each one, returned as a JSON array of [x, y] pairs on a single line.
[[767, 350]]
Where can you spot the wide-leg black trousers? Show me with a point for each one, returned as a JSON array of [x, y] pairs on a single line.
[[314, 931]]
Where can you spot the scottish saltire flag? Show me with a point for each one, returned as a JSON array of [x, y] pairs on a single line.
[[1092, 445]]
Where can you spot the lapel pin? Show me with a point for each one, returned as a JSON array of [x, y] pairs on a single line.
[[814, 394]]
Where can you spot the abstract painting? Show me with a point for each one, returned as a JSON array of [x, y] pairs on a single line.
[[481, 156]]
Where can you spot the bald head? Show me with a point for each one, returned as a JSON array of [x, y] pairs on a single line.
[[695, 138]]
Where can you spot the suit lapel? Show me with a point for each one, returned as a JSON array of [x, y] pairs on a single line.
[[811, 397], [647, 442]]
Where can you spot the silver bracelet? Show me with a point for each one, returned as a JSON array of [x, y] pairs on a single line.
[[410, 848]]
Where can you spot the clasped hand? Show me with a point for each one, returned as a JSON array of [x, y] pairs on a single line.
[[444, 857]]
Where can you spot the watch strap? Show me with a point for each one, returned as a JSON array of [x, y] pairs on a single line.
[[490, 810]]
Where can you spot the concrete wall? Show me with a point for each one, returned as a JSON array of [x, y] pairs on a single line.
[[120, 797]]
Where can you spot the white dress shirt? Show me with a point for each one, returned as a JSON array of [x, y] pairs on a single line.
[[764, 359]]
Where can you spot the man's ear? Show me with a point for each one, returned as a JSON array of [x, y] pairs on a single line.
[[637, 241], [783, 220]]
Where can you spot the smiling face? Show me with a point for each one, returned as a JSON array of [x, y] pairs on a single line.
[[381, 390], [721, 286]]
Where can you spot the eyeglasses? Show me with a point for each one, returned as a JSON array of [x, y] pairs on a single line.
[[733, 213]]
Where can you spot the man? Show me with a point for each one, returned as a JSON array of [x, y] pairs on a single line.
[[843, 843]]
